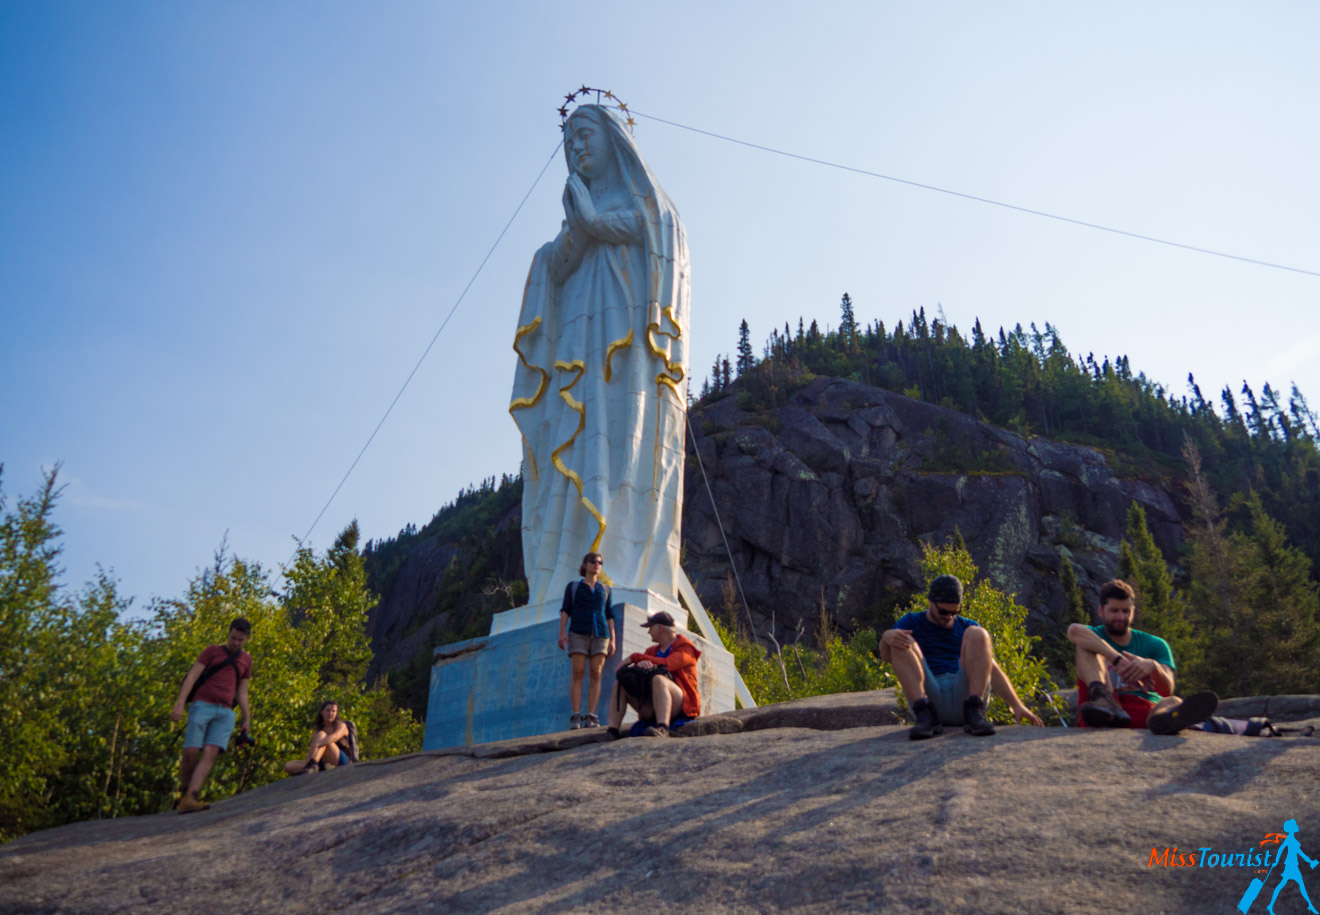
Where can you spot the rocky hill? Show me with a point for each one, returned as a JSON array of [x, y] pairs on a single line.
[[778, 814], [826, 497]]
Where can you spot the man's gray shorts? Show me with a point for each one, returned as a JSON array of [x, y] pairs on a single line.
[[947, 692]]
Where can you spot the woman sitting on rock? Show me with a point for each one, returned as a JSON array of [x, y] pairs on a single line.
[[330, 743]]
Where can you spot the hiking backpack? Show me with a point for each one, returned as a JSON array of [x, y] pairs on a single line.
[[349, 743]]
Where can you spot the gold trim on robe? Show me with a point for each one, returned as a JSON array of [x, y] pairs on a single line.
[[520, 403], [580, 367], [609, 352]]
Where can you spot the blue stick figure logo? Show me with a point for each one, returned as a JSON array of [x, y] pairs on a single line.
[[1290, 849]]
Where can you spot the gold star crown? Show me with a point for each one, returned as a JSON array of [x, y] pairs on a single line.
[[612, 101]]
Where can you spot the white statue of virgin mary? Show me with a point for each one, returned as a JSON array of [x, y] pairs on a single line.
[[599, 390]]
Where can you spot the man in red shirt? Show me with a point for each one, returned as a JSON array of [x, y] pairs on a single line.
[[220, 674]]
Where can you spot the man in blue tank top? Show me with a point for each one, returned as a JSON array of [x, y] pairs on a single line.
[[946, 666]]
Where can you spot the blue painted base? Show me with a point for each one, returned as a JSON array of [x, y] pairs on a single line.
[[515, 684]]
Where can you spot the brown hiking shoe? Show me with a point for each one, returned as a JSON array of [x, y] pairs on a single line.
[[189, 804], [1101, 710]]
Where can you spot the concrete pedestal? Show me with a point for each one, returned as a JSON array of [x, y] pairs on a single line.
[[531, 614], [514, 682]]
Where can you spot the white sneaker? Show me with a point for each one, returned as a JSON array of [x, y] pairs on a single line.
[[575, 722]]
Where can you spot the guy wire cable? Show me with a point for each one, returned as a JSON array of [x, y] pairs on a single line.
[[720, 524], [791, 155], [427, 351], [998, 203]]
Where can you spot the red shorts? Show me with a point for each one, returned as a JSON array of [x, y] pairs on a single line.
[[1136, 706]]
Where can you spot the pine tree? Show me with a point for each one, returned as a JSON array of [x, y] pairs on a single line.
[[1060, 649], [1214, 596], [1280, 650], [848, 323], [746, 358], [1160, 611], [1303, 416], [726, 374]]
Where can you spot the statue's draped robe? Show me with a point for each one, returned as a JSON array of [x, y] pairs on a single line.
[[599, 394]]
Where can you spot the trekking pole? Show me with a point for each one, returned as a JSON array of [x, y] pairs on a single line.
[[1050, 699]]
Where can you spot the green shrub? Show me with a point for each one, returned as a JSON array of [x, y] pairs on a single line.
[[795, 671], [1002, 617]]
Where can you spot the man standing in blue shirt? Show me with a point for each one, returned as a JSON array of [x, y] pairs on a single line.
[[946, 666]]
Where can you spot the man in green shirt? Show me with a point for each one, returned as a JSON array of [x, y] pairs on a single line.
[[1125, 676]]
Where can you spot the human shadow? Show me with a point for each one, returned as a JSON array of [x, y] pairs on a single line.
[[1226, 772], [801, 794]]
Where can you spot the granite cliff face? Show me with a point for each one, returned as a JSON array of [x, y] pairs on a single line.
[[829, 496]]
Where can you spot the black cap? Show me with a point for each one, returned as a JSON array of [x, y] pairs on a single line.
[[661, 619], [946, 589]]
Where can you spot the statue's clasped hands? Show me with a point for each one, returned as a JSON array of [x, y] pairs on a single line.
[[578, 205]]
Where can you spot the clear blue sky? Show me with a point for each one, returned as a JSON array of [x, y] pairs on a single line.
[[228, 230]]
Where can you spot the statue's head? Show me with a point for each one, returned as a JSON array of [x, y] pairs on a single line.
[[589, 144]]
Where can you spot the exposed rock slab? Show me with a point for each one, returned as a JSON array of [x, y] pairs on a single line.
[[1032, 819]]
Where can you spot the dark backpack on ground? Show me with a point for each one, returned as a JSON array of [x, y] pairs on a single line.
[[230, 661], [1250, 727]]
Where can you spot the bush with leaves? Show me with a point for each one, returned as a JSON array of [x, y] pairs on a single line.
[[85, 696], [1002, 617], [780, 673]]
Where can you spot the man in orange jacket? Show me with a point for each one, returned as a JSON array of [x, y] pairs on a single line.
[[641, 680]]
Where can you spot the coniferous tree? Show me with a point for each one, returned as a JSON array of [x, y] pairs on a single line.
[[726, 373], [1255, 419], [1160, 610], [1303, 416], [848, 322], [1214, 596], [1061, 650], [746, 358], [1280, 649]]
